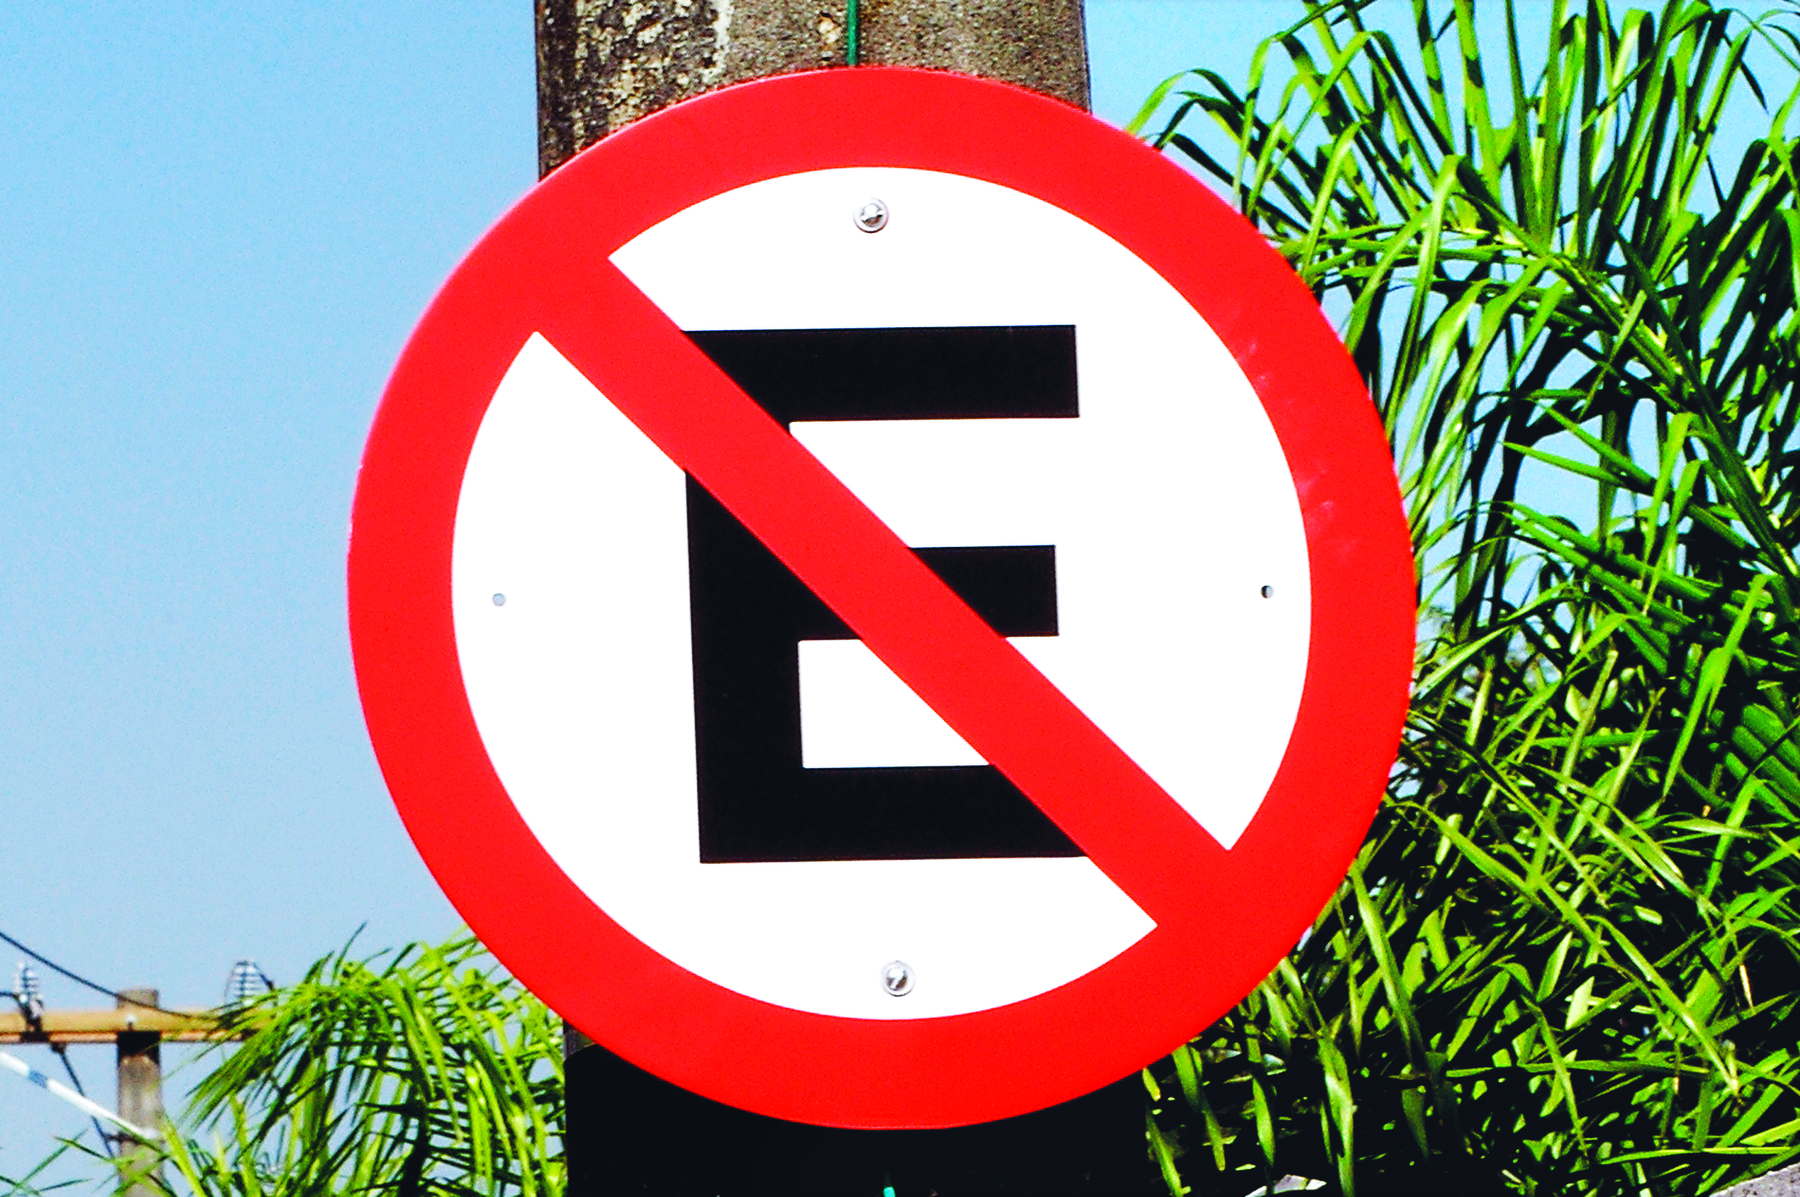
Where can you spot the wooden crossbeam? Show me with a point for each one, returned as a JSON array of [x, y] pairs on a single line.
[[105, 1026]]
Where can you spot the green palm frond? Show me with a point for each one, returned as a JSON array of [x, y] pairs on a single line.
[[1566, 960], [422, 1071]]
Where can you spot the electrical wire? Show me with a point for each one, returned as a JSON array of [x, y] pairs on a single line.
[[62, 1052], [93, 985]]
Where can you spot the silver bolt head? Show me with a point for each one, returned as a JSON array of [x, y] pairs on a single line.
[[897, 978], [871, 215]]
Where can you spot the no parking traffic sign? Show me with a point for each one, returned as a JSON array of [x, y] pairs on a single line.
[[880, 599]]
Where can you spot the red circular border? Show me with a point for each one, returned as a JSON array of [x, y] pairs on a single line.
[[854, 1072]]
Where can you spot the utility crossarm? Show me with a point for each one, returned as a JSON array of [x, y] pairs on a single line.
[[105, 1026]]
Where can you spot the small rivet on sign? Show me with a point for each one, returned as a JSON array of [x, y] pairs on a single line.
[[871, 216], [897, 978], [1268, 592], [500, 599]]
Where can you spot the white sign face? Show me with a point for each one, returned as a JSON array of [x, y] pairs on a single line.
[[1181, 590]]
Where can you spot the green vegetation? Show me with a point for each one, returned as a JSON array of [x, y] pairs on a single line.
[[1565, 960], [426, 1070]]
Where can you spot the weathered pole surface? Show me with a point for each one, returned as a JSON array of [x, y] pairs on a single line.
[[1784, 1183], [601, 64], [140, 1097]]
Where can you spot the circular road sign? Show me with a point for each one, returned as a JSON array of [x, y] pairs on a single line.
[[881, 599]]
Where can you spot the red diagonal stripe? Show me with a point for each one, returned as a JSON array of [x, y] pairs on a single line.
[[977, 682]]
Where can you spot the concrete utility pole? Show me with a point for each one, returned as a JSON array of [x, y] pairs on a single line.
[[140, 1094], [138, 1031], [601, 64]]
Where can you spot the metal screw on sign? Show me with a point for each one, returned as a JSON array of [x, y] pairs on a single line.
[[897, 978], [871, 216]]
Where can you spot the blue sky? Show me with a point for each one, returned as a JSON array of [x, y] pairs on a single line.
[[218, 224]]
